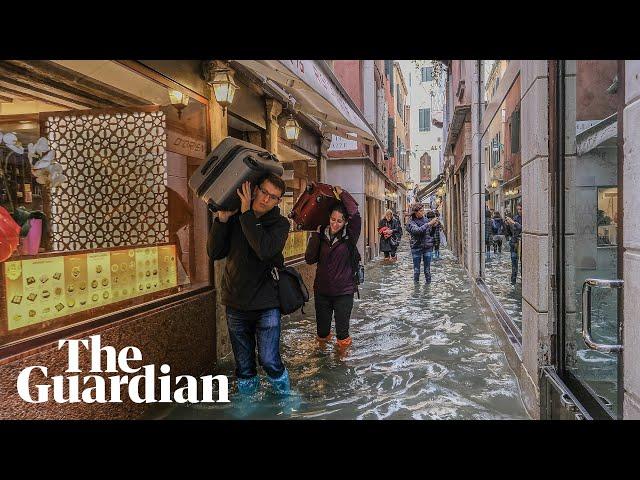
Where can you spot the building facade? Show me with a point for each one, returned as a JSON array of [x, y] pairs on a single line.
[[367, 171], [555, 139], [427, 108]]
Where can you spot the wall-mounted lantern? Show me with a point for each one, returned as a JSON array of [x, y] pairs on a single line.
[[220, 77], [179, 100]]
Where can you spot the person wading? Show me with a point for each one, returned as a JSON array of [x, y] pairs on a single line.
[[331, 247], [252, 240], [499, 230], [436, 229], [515, 227], [421, 241], [390, 232]]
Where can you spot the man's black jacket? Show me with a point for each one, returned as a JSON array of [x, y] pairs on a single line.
[[252, 246]]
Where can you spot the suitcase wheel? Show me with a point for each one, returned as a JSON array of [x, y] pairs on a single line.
[[318, 199], [299, 226], [309, 188]]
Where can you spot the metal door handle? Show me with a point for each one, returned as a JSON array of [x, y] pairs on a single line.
[[586, 313]]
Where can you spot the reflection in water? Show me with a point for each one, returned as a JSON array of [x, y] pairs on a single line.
[[419, 352], [498, 279]]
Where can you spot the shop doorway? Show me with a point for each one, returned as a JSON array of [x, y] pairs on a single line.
[[590, 287]]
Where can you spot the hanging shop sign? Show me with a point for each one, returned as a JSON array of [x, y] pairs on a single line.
[[185, 145], [42, 289]]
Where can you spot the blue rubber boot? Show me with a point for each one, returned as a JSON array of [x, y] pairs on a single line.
[[248, 386], [280, 385]]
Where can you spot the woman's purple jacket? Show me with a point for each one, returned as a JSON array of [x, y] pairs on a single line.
[[334, 275]]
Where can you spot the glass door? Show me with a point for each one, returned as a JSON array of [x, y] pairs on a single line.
[[591, 354]]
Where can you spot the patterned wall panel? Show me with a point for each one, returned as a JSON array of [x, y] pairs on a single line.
[[116, 194]]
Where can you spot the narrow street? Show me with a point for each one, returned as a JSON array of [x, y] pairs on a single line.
[[419, 352]]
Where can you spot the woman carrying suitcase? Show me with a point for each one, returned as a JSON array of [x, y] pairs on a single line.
[[331, 247]]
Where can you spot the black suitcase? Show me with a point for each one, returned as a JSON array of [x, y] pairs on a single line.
[[227, 167]]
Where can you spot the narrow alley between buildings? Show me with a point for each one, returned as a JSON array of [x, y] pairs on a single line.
[[419, 352]]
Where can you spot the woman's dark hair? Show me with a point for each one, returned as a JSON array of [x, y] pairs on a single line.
[[340, 208], [496, 214], [430, 214]]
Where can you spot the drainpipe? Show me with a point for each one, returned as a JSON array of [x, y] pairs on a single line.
[[480, 189]]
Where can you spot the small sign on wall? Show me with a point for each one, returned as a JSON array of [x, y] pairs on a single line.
[[185, 145], [339, 143]]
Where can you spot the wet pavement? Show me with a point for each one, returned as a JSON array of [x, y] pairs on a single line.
[[419, 352]]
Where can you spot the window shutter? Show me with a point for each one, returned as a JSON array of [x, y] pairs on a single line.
[[515, 131]]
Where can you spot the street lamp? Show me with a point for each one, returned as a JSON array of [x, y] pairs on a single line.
[[224, 88], [179, 100], [291, 129]]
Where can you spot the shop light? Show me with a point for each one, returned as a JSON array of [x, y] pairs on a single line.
[[179, 100], [224, 88], [291, 129]]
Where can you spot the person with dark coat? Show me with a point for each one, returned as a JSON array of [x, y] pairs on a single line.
[[421, 241], [331, 247], [515, 227], [499, 230], [436, 234], [390, 232], [252, 241], [488, 232]]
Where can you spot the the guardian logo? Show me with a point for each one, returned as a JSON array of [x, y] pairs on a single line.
[[96, 388]]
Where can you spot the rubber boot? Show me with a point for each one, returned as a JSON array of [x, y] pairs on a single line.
[[248, 386], [344, 343], [324, 339], [280, 385]]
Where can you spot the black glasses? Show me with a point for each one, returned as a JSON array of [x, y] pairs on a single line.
[[271, 197]]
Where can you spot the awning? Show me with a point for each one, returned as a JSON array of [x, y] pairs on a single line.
[[430, 188], [316, 92]]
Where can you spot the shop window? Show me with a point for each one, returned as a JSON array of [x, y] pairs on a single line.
[[120, 229], [607, 216], [500, 166]]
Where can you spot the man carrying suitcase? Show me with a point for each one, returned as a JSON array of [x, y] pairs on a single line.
[[252, 241]]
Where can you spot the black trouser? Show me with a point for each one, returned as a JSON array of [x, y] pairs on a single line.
[[391, 253], [326, 306]]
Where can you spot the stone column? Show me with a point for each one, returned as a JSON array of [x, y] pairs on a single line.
[[325, 143], [537, 329], [475, 226], [273, 110], [631, 241], [218, 122]]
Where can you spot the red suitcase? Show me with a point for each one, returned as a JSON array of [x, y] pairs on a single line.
[[313, 207]]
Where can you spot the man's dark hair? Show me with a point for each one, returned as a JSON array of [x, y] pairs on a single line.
[[274, 180]]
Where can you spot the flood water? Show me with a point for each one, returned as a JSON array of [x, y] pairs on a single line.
[[419, 352]]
